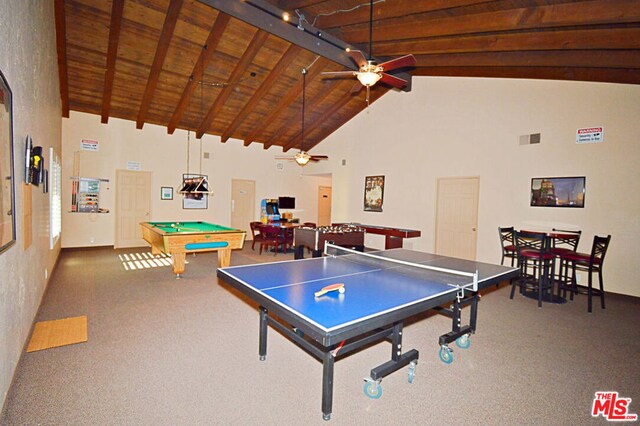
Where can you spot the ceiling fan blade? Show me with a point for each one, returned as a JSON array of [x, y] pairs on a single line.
[[319, 157], [339, 73], [393, 81], [401, 62], [358, 57]]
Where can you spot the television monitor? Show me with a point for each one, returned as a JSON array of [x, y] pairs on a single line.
[[558, 191], [287, 202]]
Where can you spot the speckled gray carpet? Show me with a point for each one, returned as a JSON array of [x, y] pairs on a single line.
[[163, 351]]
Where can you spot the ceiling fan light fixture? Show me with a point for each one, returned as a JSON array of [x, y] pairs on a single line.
[[368, 78], [302, 158]]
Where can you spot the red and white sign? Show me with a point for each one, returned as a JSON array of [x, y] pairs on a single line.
[[590, 135], [612, 407], [89, 145]]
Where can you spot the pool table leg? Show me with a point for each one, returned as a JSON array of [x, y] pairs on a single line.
[[224, 258], [178, 263]]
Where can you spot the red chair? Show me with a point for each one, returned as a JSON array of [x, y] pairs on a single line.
[[563, 242], [270, 237], [589, 263], [255, 231], [507, 244], [536, 264]]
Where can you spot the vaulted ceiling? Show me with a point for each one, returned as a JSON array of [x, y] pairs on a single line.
[[233, 68]]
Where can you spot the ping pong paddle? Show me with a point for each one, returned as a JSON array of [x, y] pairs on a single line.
[[333, 287]]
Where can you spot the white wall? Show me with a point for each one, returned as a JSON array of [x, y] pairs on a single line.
[[166, 157], [470, 127], [29, 63]]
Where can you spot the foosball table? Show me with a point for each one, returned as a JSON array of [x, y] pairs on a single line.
[[313, 239]]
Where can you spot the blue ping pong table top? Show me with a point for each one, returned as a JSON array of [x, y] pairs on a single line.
[[370, 291]]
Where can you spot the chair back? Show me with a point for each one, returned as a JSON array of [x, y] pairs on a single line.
[[269, 232], [568, 239], [532, 241], [309, 225], [599, 249], [506, 236], [255, 231]]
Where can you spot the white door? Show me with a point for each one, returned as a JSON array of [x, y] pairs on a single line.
[[133, 205], [324, 205], [457, 217], [243, 204]]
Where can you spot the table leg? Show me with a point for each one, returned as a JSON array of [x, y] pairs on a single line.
[[224, 258], [178, 262], [327, 385], [262, 350]]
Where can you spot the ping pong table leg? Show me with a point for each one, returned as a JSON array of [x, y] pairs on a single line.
[[262, 351], [327, 385]]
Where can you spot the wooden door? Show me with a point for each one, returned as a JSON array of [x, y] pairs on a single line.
[[457, 217], [133, 205], [324, 205], [243, 204]]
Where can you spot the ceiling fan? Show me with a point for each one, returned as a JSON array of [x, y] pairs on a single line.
[[369, 72], [303, 157]]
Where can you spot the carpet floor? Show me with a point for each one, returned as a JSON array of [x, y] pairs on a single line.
[[163, 351]]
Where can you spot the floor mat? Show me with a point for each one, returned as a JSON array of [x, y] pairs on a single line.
[[52, 334]]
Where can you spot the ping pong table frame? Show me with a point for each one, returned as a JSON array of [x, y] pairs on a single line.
[[326, 346]]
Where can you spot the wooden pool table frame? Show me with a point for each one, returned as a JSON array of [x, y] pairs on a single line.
[[175, 243]]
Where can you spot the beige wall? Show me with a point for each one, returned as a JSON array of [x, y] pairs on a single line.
[[29, 62], [166, 157], [470, 127]]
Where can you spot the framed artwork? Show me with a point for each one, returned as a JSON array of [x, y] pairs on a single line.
[[7, 190], [558, 191], [194, 201], [373, 193], [166, 193]]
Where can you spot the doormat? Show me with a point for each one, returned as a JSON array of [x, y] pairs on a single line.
[[52, 334]]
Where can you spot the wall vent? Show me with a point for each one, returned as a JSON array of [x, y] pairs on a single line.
[[530, 139]]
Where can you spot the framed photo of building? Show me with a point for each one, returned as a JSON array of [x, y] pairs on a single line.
[[7, 179], [373, 193], [558, 191]]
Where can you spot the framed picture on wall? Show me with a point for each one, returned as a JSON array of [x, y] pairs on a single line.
[[166, 193], [558, 191], [373, 193], [7, 194]]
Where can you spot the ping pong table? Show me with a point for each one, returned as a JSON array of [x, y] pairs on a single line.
[[382, 290]]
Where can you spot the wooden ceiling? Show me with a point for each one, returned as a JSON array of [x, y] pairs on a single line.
[[183, 64]]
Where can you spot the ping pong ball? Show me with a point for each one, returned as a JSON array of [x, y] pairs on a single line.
[[341, 290]]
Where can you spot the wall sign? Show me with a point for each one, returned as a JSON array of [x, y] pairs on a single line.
[[89, 145], [590, 135]]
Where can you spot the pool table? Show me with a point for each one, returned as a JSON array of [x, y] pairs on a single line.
[[180, 238]]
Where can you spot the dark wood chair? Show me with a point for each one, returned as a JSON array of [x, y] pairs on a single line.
[[589, 263], [255, 232], [270, 236], [309, 225], [535, 262], [507, 244], [563, 242]]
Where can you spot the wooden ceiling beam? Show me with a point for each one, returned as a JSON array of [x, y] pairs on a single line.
[[158, 60], [606, 75], [112, 53], [265, 16], [285, 60], [541, 58], [311, 105], [572, 39], [389, 10], [217, 30], [375, 94], [320, 118], [61, 47], [559, 15], [285, 101], [247, 57]]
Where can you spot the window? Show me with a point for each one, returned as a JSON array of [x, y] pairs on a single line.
[[55, 198]]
